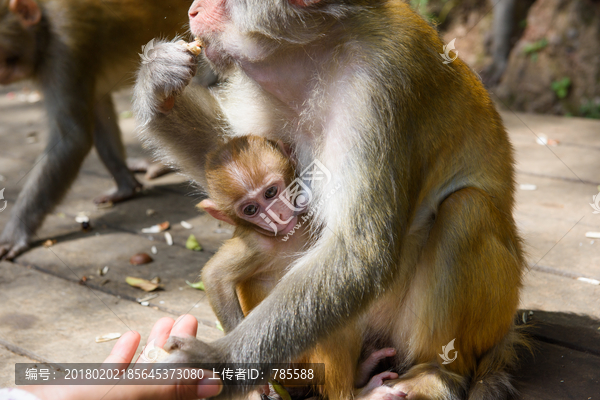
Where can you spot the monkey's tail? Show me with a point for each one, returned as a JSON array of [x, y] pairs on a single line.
[[492, 379]]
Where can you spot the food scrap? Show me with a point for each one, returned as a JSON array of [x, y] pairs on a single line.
[[108, 337], [194, 47], [157, 228]]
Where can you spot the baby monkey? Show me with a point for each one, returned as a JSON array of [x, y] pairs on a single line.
[[247, 178]]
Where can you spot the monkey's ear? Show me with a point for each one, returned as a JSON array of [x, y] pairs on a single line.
[[286, 149], [303, 3], [28, 11], [210, 207]]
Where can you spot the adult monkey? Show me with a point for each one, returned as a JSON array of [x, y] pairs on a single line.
[[78, 51], [419, 241]]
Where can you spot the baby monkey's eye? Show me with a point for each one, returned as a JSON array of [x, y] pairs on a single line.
[[250, 210], [271, 192]]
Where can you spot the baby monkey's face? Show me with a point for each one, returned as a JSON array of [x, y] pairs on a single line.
[[267, 207]]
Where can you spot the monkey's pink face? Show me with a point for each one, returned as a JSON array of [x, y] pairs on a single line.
[[223, 24], [208, 16], [266, 210]]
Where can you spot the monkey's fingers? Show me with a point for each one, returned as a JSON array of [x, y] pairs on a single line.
[[365, 369], [381, 392]]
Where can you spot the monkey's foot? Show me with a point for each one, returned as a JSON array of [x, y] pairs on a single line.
[[377, 390], [9, 251], [152, 170], [119, 194]]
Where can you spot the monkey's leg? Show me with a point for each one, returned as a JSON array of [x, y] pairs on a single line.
[[502, 28], [70, 140], [465, 292], [340, 353], [234, 263], [107, 139]]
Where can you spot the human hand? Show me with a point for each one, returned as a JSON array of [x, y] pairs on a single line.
[[123, 352]]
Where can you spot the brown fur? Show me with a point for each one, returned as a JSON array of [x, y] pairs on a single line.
[[419, 244], [248, 266]]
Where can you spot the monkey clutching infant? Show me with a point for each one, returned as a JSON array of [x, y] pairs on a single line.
[[249, 177], [418, 244], [78, 51]]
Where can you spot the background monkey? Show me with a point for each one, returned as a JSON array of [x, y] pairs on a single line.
[[419, 241], [244, 176], [78, 51]]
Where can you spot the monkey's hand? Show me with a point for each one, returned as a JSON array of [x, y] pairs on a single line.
[[191, 350], [12, 243], [163, 75]]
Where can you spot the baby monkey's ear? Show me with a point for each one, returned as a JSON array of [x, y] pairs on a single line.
[[288, 152], [210, 207]]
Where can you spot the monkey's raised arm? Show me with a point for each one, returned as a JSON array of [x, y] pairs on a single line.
[[182, 123]]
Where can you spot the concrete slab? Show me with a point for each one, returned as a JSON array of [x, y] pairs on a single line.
[[57, 320]]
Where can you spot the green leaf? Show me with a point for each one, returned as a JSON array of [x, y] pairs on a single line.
[[197, 285], [192, 244], [219, 326], [280, 390]]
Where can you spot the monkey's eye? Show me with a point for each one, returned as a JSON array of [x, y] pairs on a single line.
[[271, 192], [250, 210]]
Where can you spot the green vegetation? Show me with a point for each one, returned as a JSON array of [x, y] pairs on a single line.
[[590, 109], [532, 49], [561, 87]]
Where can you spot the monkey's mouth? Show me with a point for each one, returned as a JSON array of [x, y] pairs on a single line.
[[287, 229]]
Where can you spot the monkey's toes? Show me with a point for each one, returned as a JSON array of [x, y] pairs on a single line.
[[10, 251], [118, 195]]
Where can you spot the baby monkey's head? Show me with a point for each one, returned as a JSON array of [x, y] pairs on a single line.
[[246, 177]]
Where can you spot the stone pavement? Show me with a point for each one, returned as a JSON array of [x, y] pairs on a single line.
[[46, 314]]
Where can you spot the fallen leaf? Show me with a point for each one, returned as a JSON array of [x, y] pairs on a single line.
[[281, 391], [105, 205], [197, 285], [143, 284], [192, 244], [49, 243]]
